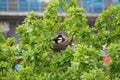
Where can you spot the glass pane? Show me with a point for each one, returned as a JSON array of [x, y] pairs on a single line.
[[23, 5], [116, 2], [87, 5], [98, 1], [13, 5], [93, 6], [3, 5], [97, 8], [35, 5]]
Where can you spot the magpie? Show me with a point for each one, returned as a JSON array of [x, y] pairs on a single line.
[[58, 39]]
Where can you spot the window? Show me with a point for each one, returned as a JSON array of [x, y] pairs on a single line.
[[93, 6], [98, 6], [28, 5], [23, 5], [98, 1], [3, 5], [35, 5], [116, 1], [87, 5], [12, 5]]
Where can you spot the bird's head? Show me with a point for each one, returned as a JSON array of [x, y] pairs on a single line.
[[58, 39]]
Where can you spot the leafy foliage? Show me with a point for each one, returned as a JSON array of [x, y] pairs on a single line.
[[108, 28], [79, 62], [107, 25], [2, 39], [95, 74], [7, 58], [114, 52]]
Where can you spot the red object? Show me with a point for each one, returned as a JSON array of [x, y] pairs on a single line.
[[107, 60]]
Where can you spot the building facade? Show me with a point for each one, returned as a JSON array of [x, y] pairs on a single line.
[[13, 12]]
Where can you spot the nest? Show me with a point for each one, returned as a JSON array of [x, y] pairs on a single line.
[[62, 45]]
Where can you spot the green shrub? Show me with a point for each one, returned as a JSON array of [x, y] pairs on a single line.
[[95, 74], [114, 52], [2, 39], [107, 25], [7, 58], [80, 62]]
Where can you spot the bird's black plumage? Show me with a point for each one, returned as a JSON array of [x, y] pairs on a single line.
[[58, 39]]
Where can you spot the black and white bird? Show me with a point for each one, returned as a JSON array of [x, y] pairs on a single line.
[[60, 42], [58, 39]]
